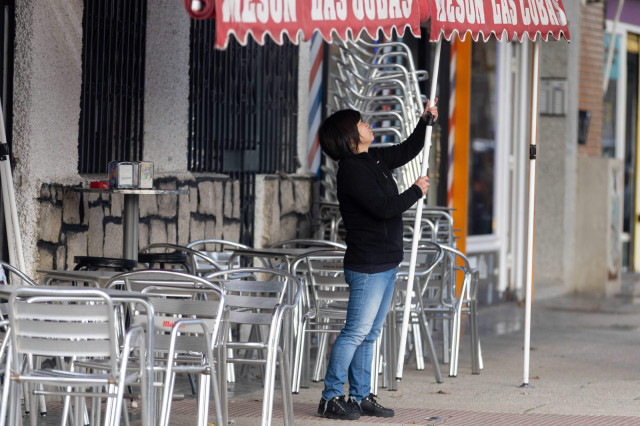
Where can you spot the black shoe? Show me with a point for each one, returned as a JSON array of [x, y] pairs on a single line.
[[337, 408], [370, 407]]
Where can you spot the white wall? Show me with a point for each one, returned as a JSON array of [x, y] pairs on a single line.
[[46, 104], [556, 167], [166, 95]]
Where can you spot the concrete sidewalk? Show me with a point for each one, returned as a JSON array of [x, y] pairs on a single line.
[[585, 369]]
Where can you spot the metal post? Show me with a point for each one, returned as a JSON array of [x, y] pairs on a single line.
[[531, 213], [14, 237], [416, 227]]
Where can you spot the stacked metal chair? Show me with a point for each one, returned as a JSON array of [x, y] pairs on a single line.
[[381, 81]]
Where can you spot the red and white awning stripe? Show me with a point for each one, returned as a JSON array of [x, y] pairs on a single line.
[[507, 20], [300, 19]]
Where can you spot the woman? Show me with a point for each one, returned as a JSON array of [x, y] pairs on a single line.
[[371, 209]]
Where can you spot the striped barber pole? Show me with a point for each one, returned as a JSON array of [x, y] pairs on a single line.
[[315, 102], [452, 121]]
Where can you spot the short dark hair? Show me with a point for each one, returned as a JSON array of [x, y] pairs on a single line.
[[338, 132]]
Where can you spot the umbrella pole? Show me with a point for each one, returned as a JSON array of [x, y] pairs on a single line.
[[14, 237], [531, 212], [416, 227]]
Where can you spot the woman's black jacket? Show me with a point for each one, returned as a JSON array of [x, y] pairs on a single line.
[[370, 205]]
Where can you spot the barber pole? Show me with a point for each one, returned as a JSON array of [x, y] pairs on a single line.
[[315, 103], [452, 121]]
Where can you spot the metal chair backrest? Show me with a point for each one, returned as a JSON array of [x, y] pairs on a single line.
[[258, 297], [140, 280], [192, 258], [216, 249], [172, 304], [63, 323], [5, 278], [324, 274], [308, 243]]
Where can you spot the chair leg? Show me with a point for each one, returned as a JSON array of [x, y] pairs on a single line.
[[306, 362], [287, 399], [375, 365], [33, 404], [297, 361], [432, 350], [322, 347], [215, 380], [417, 343], [446, 344], [392, 350], [14, 404], [455, 344], [167, 394], [269, 386], [475, 341], [224, 371], [6, 384], [203, 399]]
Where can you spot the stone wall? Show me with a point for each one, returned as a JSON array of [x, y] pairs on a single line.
[[75, 223]]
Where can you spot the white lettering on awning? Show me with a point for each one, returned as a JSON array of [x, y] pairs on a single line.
[[553, 19], [383, 9], [290, 14], [358, 9], [370, 9], [544, 18], [505, 12], [251, 11], [462, 11], [406, 8], [534, 12], [394, 9]]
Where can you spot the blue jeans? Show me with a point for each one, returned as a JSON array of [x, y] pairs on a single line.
[[369, 300]]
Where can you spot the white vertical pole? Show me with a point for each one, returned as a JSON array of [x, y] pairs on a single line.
[[531, 213], [416, 226], [14, 237], [521, 167]]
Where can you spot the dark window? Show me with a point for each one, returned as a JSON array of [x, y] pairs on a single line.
[[243, 105], [7, 35], [111, 105], [7, 39]]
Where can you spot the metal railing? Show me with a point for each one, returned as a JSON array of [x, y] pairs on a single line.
[[111, 104], [243, 105]]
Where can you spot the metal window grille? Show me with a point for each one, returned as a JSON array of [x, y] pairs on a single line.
[[111, 109], [7, 35], [243, 105]]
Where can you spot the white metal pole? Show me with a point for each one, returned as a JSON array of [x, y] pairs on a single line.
[[418, 220], [531, 212], [521, 167], [14, 237]]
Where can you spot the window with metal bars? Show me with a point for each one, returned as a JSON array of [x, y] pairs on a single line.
[[7, 35], [7, 38], [242, 105], [111, 108]]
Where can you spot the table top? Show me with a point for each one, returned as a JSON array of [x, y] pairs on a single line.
[[277, 251], [134, 191], [98, 278]]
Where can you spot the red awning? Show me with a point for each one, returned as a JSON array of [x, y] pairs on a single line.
[[508, 20], [342, 18]]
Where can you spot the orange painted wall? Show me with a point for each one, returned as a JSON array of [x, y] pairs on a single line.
[[460, 186]]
